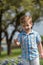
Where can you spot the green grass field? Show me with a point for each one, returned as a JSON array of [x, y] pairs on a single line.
[[14, 54]]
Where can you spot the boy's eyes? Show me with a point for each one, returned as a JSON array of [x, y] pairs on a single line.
[[27, 25]]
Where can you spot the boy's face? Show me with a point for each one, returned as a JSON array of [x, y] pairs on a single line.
[[27, 26]]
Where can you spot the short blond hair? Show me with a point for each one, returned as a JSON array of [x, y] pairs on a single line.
[[25, 18]]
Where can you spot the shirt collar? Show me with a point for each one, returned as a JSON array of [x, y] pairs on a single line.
[[24, 33]]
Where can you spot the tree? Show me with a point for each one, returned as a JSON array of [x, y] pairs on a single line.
[[4, 7]]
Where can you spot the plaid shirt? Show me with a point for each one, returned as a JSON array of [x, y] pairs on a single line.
[[29, 44]]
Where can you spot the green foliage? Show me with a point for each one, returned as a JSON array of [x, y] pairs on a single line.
[[15, 3], [29, 5], [42, 38]]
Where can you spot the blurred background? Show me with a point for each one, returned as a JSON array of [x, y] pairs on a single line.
[[10, 13]]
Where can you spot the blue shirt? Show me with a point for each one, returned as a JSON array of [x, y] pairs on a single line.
[[29, 43]]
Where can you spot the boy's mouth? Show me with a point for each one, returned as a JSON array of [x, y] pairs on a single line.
[[27, 28]]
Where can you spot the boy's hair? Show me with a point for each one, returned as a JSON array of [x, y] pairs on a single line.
[[24, 19]]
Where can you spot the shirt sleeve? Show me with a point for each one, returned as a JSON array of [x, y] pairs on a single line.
[[38, 38], [19, 38]]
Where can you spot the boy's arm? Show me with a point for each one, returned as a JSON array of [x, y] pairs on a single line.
[[16, 42], [40, 50]]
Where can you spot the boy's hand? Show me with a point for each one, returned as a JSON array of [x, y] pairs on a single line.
[[16, 41], [40, 50]]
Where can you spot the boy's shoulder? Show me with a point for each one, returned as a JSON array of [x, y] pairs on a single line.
[[20, 33], [35, 32]]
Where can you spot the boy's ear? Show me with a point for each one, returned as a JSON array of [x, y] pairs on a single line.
[[31, 23]]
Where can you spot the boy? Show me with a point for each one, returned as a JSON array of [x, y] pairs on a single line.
[[30, 42]]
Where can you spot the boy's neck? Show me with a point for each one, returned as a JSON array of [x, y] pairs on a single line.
[[29, 31]]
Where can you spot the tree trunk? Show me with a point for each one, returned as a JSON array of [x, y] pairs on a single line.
[[8, 48], [0, 49]]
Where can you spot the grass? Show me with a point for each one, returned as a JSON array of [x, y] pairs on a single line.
[[41, 61], [42, 37], [15, 53]]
